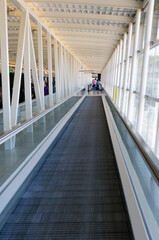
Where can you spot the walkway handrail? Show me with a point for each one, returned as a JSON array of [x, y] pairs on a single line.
[[149, 157], [139, 172], [21, 126]]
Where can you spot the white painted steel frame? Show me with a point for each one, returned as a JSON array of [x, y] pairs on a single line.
[[116, 72], [22, 5], [134, 65], [110, 70], [49, 51], [57, 70], [149, 20], [127, 66], [5, 66], [122, 71], [18, 68], [119, 67], [26, 54], [40, 63], [27, 74]]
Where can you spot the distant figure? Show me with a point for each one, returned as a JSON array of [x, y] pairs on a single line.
[[54, 86], [97, 85], [0, 97], [94, 82], [46, 89], [32, 90]]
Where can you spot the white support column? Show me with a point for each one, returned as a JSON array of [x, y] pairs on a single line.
[[50, 69], [117, 72], [145, 65], [122, 71], [134, 65], [40, 63], [60, 71], [127, 66], [56, 70], [111, 75], [113, 71], [18, 68], [74, 80], [27, 74], [69, 73], [5, 66], [119, 68], [65, 72], [75, 76], [34, 73]]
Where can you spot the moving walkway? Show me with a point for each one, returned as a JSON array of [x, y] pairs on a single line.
[[82, 187]]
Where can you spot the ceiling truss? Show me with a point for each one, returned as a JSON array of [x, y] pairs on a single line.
[[89, 29]]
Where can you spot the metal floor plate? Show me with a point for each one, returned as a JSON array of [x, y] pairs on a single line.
[[77, 192]]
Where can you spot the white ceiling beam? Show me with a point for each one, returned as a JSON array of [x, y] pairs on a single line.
[[95, 41], [75, 34], [13, 24], [72, 39], [94, 57], [22, 5], [77, 26], [82, 48], [86, 26], [106, 3], [92, 53], [64, 15], [66, 34], [97, 53], [81, 44], [90, 45]]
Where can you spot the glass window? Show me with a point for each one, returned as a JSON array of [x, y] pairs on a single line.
[[126, 102], [135, 109], [150, 122], [155, 90], [143, 22], [150, 71], [152, 87], [129, 74], [141, 34], [155, 25], [138, 73], [121, 98]]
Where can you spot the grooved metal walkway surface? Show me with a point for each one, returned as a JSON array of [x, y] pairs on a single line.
[[77, 193]]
